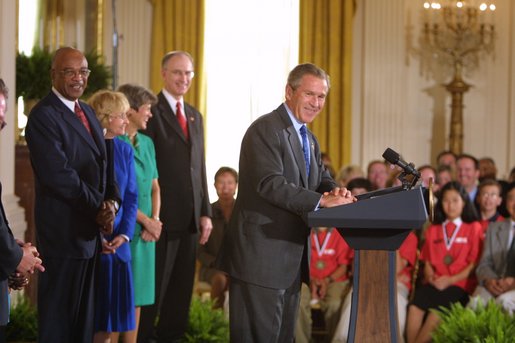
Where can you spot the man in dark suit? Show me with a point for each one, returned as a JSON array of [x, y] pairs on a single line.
[[17, 259], [177, 131], [282, 178], [69, 159]]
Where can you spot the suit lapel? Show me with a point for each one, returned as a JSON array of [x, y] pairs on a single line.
[[293, 139], [502, 235], [72, 120]]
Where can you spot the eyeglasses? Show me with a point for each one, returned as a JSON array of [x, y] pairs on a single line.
[[489, 195], [122, 116], [69, 73], [188, 73]]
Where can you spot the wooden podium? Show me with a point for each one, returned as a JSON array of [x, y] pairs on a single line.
[[375, 226]]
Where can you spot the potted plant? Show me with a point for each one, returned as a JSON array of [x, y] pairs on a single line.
[[23, 323], [33, 74], [490, 324], [206, 324]]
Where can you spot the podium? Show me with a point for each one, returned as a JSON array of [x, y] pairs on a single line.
[[375, 226]]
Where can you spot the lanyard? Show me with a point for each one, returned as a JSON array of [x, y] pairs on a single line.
[[320, 250]]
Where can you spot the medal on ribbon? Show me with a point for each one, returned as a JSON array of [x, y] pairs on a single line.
[[448, 259], [320, 264]]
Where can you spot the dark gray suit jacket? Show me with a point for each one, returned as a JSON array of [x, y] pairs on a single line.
[[10, 257], [493, 261], [181, 166], [267, 239]]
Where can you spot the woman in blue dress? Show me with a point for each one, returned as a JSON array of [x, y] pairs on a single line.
[[114, 307]]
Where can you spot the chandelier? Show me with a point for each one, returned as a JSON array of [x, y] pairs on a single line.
[[455, 34]]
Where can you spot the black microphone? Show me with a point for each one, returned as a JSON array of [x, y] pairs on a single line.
[[394, 158]]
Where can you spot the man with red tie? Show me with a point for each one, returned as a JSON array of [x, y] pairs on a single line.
[[73, 200], [178, 134]]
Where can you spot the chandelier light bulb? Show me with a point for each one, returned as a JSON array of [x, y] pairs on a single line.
[[427, 5], [492, 7], [459, 4], [483, 7]]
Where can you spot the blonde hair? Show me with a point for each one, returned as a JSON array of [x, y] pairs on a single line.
[[106, 102]]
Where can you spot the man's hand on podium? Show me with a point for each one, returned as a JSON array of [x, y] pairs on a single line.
[[338, 196]]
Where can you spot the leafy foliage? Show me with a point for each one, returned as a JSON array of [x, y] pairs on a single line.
[[33, 79], [23, 324], [206, 324], [33, 74], [485, 324]]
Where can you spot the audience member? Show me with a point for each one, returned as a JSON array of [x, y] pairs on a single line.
[[377, 174], [511, 177], [406, 260], [487, 169], [444, 175], [359, 186], [447, 158], [428, 173], [467, 168], [450, 253], [148, 226], [226, 183], [488, 199], [330, 263], [496, 269], [178, 135], [114, 301], [328, 164], [348, 173], [282, 178], [17, 259], [76, 199]]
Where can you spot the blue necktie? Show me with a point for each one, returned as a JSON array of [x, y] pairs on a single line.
[[305, 146]]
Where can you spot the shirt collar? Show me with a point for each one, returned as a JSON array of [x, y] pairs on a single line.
[[172, 101], [68, 103], [456, 222], [296, 123]]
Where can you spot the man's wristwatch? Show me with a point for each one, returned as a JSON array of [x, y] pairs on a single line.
[[115, 204]]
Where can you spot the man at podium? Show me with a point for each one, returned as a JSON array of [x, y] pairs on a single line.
[[282, 178]]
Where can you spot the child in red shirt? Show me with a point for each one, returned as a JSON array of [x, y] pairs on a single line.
[[450, 252]]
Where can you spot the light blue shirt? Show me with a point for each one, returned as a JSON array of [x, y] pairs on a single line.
[[297, 125]]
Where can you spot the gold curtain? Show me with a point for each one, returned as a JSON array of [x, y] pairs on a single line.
[[326, 40], [179, 25], [51, 19]]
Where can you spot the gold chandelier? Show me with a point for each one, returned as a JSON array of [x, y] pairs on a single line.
[[455, 35]]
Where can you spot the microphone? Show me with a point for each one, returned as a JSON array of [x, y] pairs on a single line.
[[394, 158]]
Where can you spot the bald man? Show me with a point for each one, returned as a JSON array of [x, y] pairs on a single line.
[[69, 159]]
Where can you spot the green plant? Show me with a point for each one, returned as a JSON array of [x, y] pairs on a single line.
[[206, 324], [488, 324], [23, 324], [33, 74]]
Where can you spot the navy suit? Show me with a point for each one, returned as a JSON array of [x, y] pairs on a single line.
[[70, 167]]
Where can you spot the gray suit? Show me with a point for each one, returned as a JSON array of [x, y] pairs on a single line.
[[493, 262], [266, 245], [493, 265]]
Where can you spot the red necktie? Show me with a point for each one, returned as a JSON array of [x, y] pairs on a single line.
[[449, 229], [182, 120], [80, 113]]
